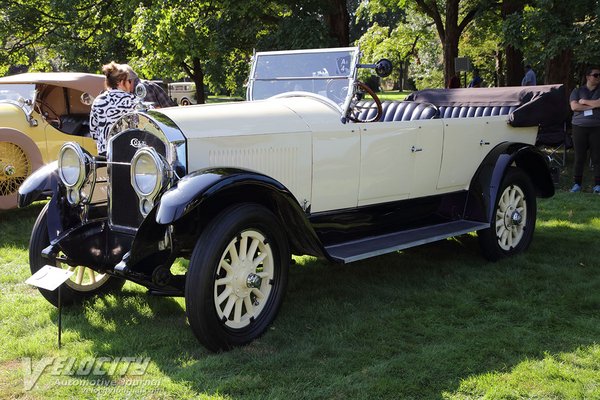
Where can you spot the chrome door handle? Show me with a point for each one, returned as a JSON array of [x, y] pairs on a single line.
[[484, 143], [415, 149]]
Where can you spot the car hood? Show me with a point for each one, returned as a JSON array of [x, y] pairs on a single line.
[[284, 115]]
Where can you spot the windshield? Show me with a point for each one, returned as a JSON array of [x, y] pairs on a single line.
[[326, 72], [15, 92]]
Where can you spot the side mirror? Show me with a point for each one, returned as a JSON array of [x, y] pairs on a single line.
[[87, 99], [140, 91], [383, 68]]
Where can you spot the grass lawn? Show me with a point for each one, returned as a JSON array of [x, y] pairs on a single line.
[[393, 95], [432, 322]]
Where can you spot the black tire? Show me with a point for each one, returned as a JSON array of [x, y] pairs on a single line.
[[185, 102], [513, 221], [72, 292], [230, 301]]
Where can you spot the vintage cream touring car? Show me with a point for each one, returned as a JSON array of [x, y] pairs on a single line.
[[39, 112], [305, 166]]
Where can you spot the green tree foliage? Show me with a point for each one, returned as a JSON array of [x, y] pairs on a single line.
[[451, 18], [210, 41], [403, 36], [558, 38], [402, 44], [482, 44], [64, 34]]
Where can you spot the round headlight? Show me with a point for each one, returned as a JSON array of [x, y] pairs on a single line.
[[71, 165], [146, 172]]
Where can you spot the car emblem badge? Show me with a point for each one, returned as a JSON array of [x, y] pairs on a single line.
[[137, 143]]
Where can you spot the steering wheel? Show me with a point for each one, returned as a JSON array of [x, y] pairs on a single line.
[[355, 111], [48, 113]]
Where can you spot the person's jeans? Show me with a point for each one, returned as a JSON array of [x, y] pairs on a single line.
[[586, 138]]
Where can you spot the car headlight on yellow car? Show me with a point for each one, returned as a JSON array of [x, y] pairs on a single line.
[[74, 165], [149, 174]]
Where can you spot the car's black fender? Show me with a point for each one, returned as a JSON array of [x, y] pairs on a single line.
[[485, 185], [198, 197], [42, 182]]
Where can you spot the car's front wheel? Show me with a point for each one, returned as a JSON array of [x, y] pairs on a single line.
[[237, 277], [513, 222], [83, 284]]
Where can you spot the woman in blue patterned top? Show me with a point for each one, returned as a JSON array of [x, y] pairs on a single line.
[[114, 102]]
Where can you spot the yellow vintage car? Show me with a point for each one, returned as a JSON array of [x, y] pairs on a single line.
[[38, 113]]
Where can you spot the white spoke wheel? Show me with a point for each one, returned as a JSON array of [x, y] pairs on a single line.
[[510, 214], [244, 277], [83, 284], [237, 277], [514, 216]]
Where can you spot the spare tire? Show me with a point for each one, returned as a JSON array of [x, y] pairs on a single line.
[[19, 157]]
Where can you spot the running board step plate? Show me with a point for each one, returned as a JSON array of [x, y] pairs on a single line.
[[377, 245]]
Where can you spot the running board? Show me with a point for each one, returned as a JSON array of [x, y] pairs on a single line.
[[376, 245]]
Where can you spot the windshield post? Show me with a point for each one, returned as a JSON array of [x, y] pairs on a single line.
[[353, 76]]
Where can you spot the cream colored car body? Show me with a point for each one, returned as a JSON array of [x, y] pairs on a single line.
[[328, 165], [239, 188]]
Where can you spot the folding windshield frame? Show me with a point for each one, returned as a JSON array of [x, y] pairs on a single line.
[[313, 74]]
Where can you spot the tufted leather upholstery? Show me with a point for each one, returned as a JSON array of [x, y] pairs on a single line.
[[397, 110], [410, 111], [472, 111]]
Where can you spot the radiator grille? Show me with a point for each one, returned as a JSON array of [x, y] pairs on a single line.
[[123, 202]]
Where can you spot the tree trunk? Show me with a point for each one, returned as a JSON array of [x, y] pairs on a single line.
[[500, 78], [196, 74], [514, 57], [558, 69], [514, 66], [450, 30], [199, 80], [452, 36], [338, 21]]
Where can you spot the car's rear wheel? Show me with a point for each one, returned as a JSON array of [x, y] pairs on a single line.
[[237, 277], [185, 102], [83, 284], [15, 166], [513, 222]]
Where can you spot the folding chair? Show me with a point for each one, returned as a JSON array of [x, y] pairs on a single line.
[[555, 141]]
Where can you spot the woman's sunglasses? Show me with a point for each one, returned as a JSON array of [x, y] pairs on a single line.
[[596, 75]]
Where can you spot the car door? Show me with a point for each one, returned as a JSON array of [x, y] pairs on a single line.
[[387, 161], [400, 160], [336, 166], [464, 148], [427, 154]]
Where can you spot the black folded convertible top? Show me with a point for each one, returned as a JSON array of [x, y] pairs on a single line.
[[536, 105]]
